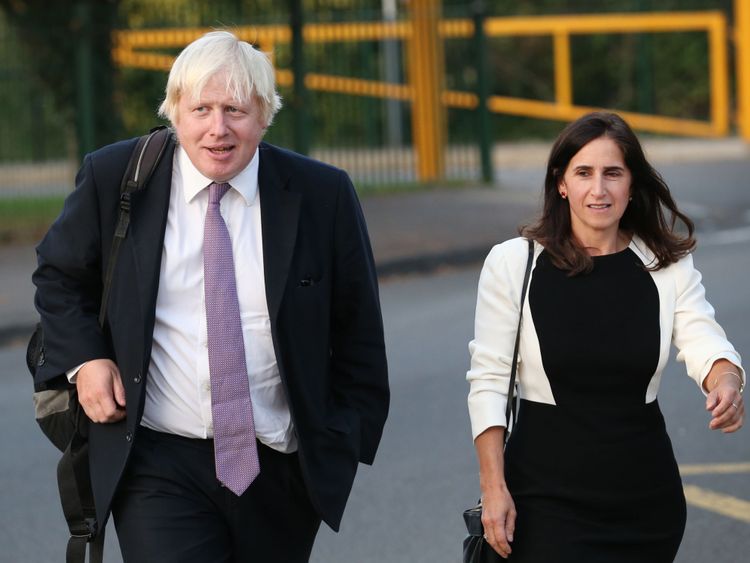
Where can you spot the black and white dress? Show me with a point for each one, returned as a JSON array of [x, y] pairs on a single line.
[[589, 463]]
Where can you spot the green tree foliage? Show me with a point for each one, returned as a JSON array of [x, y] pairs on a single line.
[[655, 73], [49, 36]]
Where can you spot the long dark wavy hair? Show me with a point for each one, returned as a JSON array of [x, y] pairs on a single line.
[[652, 213]]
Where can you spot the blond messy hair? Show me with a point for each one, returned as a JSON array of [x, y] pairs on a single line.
[[249, 74]]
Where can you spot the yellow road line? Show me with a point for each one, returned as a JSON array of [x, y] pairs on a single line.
[[714, 468], [719, 503]]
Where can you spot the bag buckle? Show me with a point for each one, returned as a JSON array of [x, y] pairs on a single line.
[[87, 530]]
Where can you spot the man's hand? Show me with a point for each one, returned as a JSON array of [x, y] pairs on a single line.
[[100, 391]]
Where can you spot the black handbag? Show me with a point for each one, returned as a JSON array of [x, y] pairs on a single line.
[[476, 548]]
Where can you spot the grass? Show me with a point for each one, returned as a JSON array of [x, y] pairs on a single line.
[[26, 219]]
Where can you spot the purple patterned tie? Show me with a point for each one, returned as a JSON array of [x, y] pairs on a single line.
[[235, 450]]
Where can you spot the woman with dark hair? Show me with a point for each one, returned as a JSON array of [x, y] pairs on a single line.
[[588, 474]]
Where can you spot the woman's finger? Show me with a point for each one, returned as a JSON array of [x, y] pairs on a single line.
[[737, 421], [498, 539], [726, 411], [510, 525]]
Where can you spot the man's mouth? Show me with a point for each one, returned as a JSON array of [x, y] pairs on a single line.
[[220, 150]]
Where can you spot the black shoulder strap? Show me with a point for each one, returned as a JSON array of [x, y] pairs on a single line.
[[143, 161], [73, 477], [510, 407], [74, 486]]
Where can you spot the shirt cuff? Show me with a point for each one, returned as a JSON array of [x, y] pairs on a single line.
[[72, 373]]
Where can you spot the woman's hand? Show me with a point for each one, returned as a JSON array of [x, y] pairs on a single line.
[[724, 400], [727, 408], [499, 519], [498, 510]]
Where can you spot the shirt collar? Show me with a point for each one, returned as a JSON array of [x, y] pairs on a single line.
[[246, 182]]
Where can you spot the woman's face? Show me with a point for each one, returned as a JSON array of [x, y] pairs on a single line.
[[596, 184]]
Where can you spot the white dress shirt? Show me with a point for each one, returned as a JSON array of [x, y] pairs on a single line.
[[178, 387]]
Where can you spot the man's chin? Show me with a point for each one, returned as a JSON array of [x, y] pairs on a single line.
[[222, 173]]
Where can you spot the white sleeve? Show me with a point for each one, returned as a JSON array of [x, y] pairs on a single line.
[[699, 339], [495, 326]]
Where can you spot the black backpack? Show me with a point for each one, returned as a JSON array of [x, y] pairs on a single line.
[[57, 410]]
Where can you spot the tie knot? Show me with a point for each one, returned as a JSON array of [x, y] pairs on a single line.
[[217, 191]]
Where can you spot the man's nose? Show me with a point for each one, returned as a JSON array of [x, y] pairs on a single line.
[[218, 123]]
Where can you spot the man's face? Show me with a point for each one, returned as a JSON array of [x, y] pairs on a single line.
[[219, 134]]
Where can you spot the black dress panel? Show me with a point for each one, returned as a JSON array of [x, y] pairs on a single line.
[[593, 476]]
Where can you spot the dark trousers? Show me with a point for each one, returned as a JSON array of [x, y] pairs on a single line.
[[171, 509]]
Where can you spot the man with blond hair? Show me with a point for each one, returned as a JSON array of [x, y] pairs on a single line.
[[240, 376]]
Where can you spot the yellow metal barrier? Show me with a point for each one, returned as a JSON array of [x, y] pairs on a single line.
[[562, 27], [424, 34], [742, 42], [426, 72]]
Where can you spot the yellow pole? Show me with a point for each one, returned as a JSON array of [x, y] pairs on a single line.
[[563, 87], [719, 74], [742, 45], [426, 72]]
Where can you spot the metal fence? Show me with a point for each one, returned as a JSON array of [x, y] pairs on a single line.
[[401, 91]]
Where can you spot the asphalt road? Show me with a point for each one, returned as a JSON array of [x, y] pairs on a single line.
[[407, 508]]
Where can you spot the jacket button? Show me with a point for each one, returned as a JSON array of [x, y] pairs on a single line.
[[129, 436], [137, 378]]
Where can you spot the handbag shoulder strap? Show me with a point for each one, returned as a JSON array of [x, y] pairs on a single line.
[[510, 407]]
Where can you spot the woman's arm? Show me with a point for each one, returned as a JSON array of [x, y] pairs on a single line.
[[495, 327], [498, 510], [708, 355]]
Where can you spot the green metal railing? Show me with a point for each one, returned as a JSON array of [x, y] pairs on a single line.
[[365, 122]]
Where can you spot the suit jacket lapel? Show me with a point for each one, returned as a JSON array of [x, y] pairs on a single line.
[[279, 208]]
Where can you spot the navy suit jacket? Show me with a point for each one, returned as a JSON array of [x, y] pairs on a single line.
[[322, 295]]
